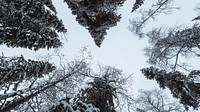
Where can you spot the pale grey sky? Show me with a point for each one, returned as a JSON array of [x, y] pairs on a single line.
[[121, 48]]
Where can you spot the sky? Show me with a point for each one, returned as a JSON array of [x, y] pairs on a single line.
[[121, 48]]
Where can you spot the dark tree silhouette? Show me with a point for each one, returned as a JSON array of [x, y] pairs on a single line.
[[29, 24], [137, 4], [167, 46], [100, 94], [22, 97], [107, 90], [17, 69], [96, 16], [185, 88]]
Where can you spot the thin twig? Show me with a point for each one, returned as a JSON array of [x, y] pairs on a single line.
[[153, 13], [177, 55]]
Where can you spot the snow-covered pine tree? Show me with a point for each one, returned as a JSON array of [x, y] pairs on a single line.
[[96, 15], [137, 4], [186, 88], [107, 91], [18, 69], [29, 24], [28, 100], [100, 94]]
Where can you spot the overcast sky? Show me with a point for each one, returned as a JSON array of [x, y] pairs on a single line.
[[120, 48]]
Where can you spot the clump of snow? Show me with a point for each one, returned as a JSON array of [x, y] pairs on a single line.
[[67, 106]]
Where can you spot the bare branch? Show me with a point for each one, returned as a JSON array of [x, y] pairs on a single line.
[[159, 7], [176, 61]]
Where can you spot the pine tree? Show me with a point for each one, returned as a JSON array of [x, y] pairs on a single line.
[[96, 15], [107, 91], [167, 47], [186, 88], [18, 69], [29, 24], [23, 99], [137, 4], [100, 94]]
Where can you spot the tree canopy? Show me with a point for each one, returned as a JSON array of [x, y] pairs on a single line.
[[167, 47], [29, 24], [29, 85], [186, 88], [96, 16]]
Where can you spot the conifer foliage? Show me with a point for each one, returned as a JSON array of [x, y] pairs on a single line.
[[29, 24], [96, 15], [186, 88], [137, 4], [18, 69], [104, 90], [100, 94]]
